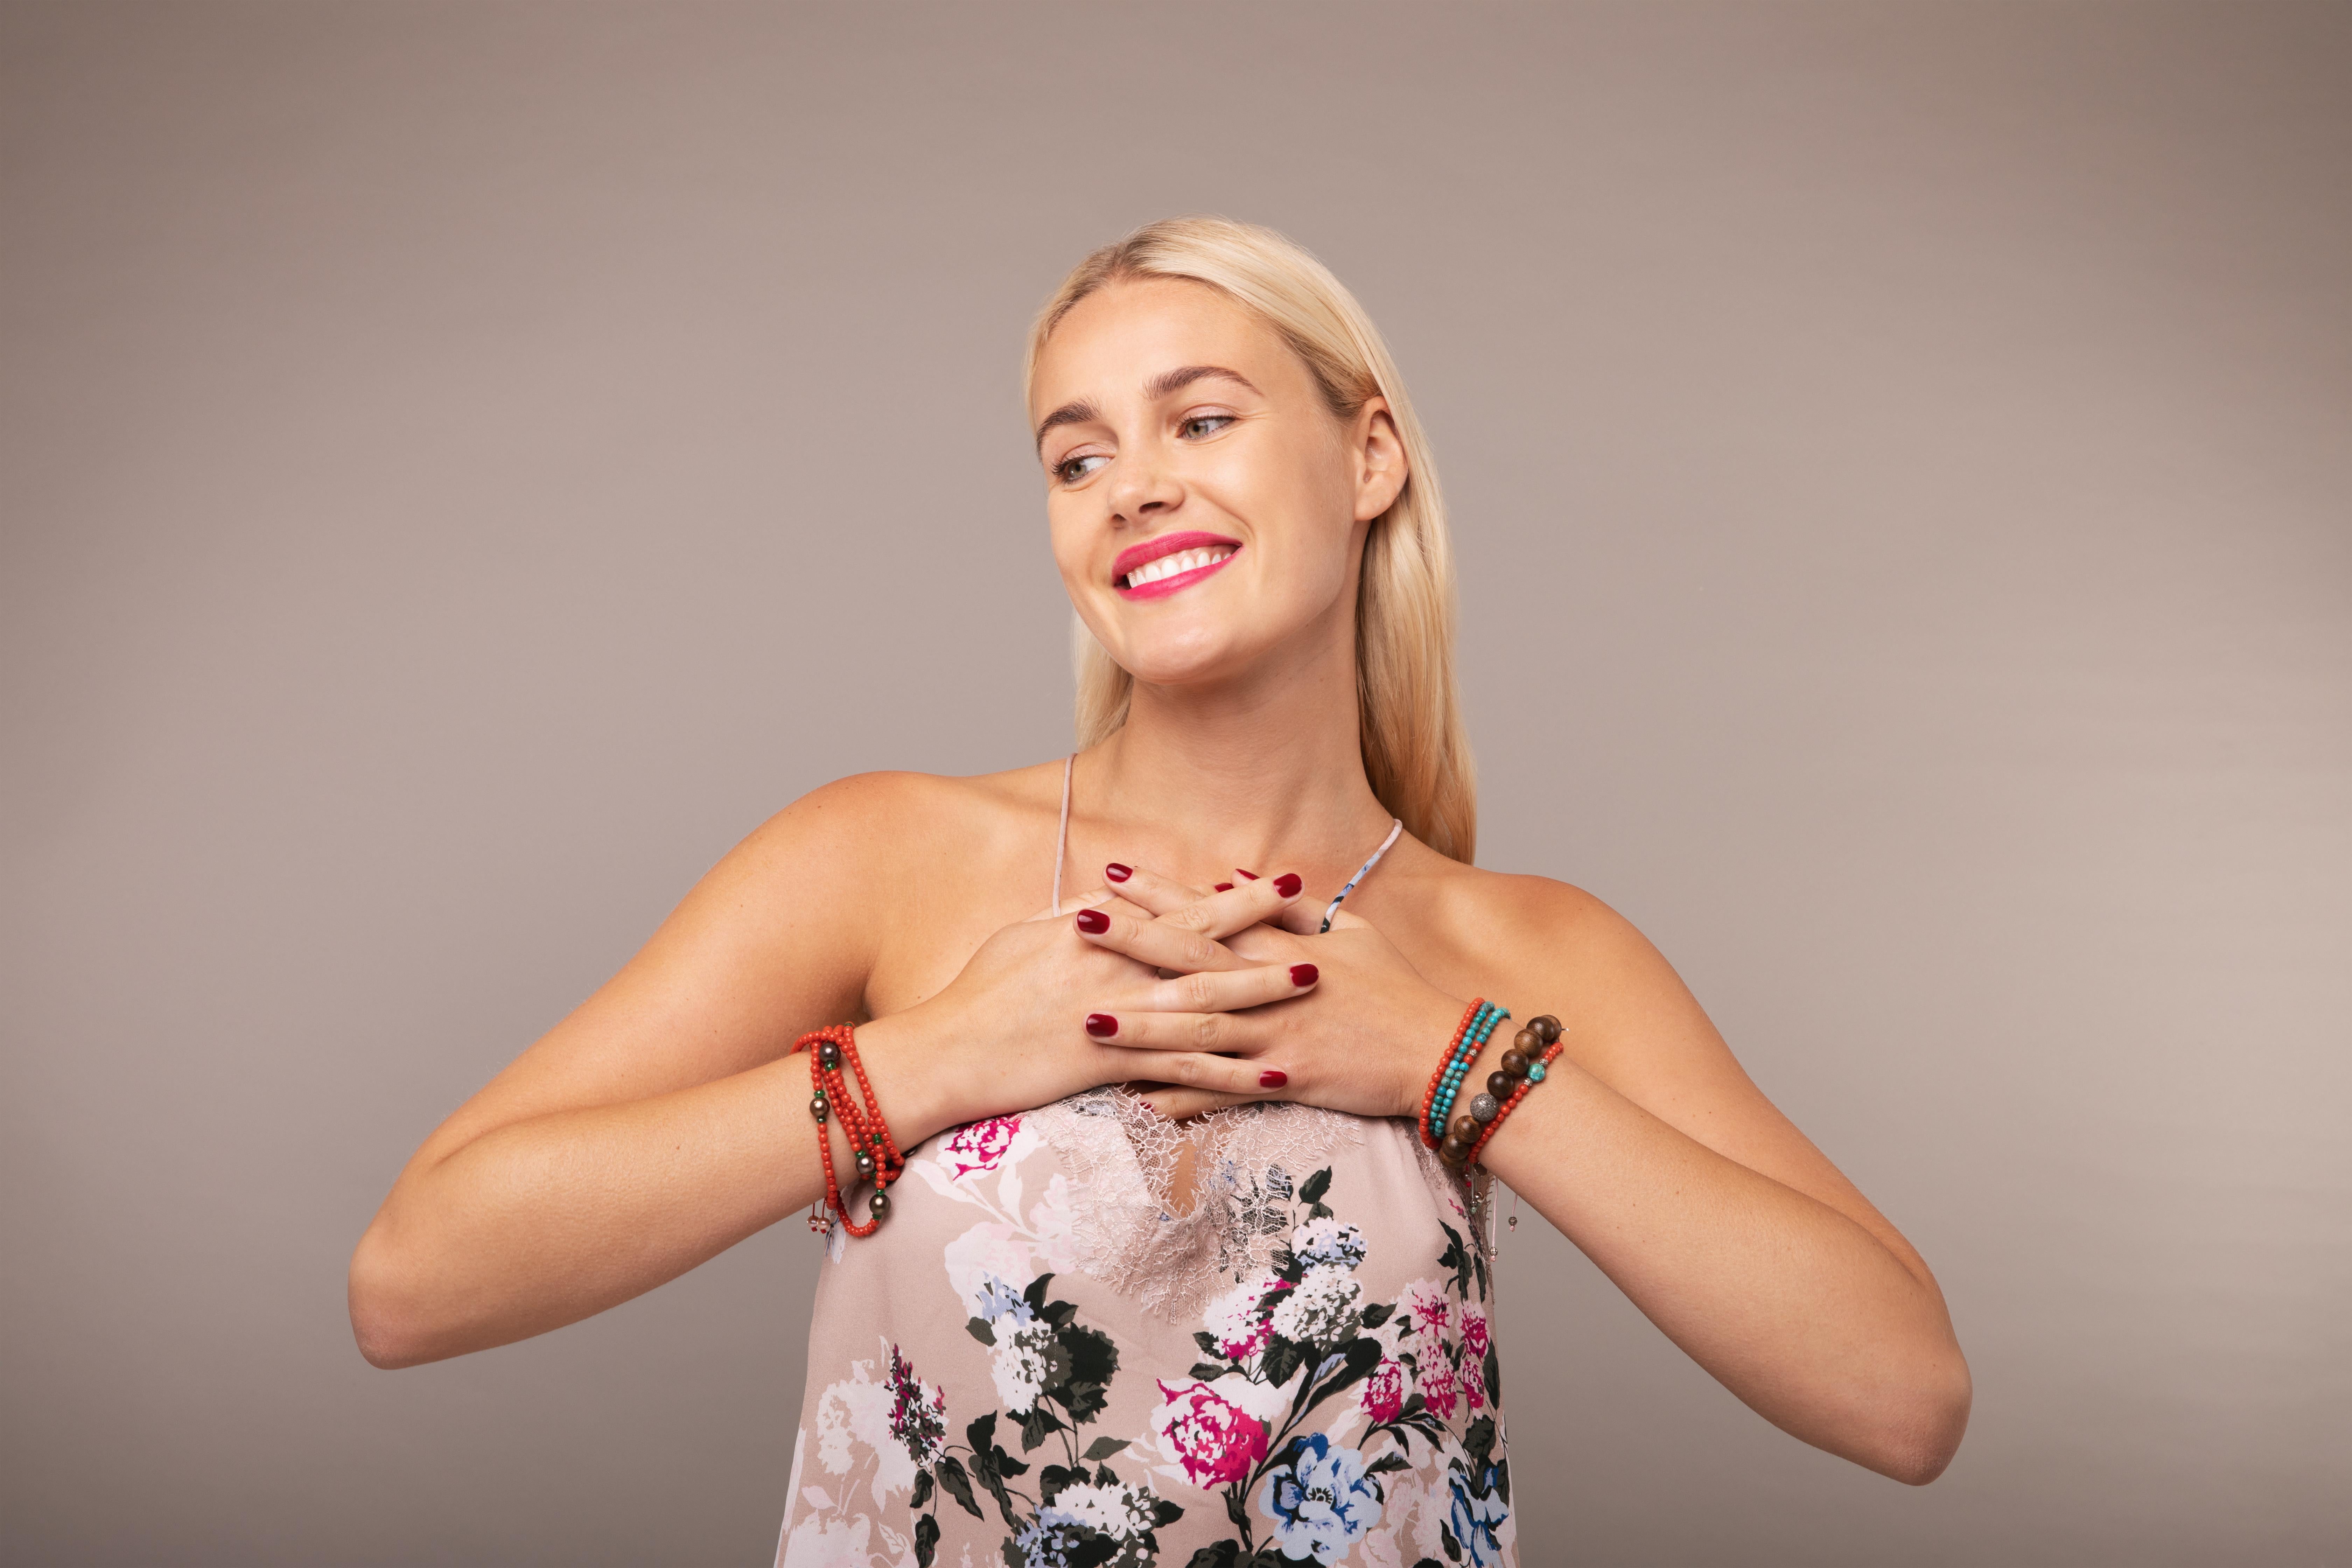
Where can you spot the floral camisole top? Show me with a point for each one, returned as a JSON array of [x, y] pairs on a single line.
[[1035, 1362]]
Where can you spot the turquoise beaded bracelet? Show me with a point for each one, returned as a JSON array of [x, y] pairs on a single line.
[[1458, 1066]]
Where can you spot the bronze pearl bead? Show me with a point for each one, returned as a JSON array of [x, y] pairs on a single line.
[[829, 1056], [820, 1107], [865, 1163], [878, 1205]]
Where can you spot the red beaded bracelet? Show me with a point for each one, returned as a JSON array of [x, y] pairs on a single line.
[[878, 1159], [1429, 1095]]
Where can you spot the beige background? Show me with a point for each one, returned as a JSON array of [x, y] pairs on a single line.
[[464, 466]]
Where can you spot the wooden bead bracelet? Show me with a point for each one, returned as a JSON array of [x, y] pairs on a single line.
[[1524, 1065], [878, 1160]]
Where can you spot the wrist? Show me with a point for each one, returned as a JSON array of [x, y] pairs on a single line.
[[1433, 1029], [906, 1080]]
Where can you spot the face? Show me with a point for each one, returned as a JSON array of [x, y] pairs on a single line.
[[1207, 508]]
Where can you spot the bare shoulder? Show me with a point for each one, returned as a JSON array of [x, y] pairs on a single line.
[[880, 823], [1548, 946]]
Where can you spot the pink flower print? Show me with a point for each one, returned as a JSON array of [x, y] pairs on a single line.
[[1215, 1440], [918, 1413], [978, 1145], [1425, 1303], [1438, 1387], [1384, 1390], [1474, 1331]]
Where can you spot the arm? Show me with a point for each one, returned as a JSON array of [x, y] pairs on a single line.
[[658, 1125], [1653, 1151]]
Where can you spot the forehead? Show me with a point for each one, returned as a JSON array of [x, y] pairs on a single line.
[[1120, 336]]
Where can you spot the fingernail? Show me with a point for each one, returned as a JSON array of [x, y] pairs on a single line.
[[1288, 884], [1094, 922], [1101, 1026], [1304, 974], [1251, 876], [1273, 1078], [1224, 887], [1116, 872]]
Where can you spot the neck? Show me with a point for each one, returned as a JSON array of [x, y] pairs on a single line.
[[1266, 771]]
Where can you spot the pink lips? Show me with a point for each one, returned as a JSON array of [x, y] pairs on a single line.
[[1151, 550]]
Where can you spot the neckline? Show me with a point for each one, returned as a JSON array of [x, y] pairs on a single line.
[[1062, 851]]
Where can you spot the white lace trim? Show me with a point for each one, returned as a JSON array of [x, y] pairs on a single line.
[[1121, 1158]]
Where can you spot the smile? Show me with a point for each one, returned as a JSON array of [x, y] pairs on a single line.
[[1170, 563]]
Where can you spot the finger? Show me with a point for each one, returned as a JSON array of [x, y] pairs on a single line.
[[1148, 887], [1150, 941], [1222, 1033], [1236, 907], [1183, 1104], [1075, 902], [1234, 1079], [1231, 990]]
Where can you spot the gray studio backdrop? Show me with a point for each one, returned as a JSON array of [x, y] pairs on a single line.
[[464, 466]]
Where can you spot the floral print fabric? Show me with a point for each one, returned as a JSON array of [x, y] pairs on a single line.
[[977, 1397]]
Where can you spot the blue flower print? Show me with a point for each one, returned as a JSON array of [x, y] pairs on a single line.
[[1001, 1299], [1319, 1499], [1475, 1521]]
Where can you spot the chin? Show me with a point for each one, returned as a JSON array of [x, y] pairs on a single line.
[[1191, 658]]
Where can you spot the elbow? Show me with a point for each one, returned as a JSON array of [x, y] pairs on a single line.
[[386, 1322], [1917, 1440]]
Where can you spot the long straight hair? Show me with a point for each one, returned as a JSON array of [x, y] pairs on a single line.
[[1409, 713]]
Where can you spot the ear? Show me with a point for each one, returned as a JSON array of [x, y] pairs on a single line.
[[1382, 468]]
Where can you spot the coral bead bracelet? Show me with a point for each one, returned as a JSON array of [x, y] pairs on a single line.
[[878, 1159]]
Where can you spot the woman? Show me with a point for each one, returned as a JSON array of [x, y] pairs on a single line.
[[1241, 1312]]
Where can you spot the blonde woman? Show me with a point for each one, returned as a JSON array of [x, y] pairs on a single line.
[[1239, 1309]]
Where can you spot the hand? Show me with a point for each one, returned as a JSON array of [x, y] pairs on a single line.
[[1359, 1036], [1018, 1027]]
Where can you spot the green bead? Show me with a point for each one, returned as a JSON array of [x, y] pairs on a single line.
[[1536, 1072]]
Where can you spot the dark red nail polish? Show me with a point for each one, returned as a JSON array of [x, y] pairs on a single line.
[[1273, 1078], [1094, 922], [1101, 1026], [1288, 884], [1224, 888], [1304, 974], [1248, 875], [1116, 872]]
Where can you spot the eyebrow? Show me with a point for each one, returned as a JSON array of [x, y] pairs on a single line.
[[1079, 411]]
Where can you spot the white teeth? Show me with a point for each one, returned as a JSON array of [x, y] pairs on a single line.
[[1182, 560]]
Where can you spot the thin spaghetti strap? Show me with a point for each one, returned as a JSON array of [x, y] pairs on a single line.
[[1396, 826], [1062, 837]]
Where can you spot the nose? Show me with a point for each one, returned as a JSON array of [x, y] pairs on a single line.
[[1144, 489]]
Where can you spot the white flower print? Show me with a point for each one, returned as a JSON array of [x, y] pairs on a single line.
[[853, 1422], [1237, 1319], [1320, 1308], [1022, 1365]]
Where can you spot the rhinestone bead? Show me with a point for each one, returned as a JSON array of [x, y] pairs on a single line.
[[1484, 1108]]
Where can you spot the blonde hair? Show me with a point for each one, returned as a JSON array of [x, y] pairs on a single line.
[[1409, 712]]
